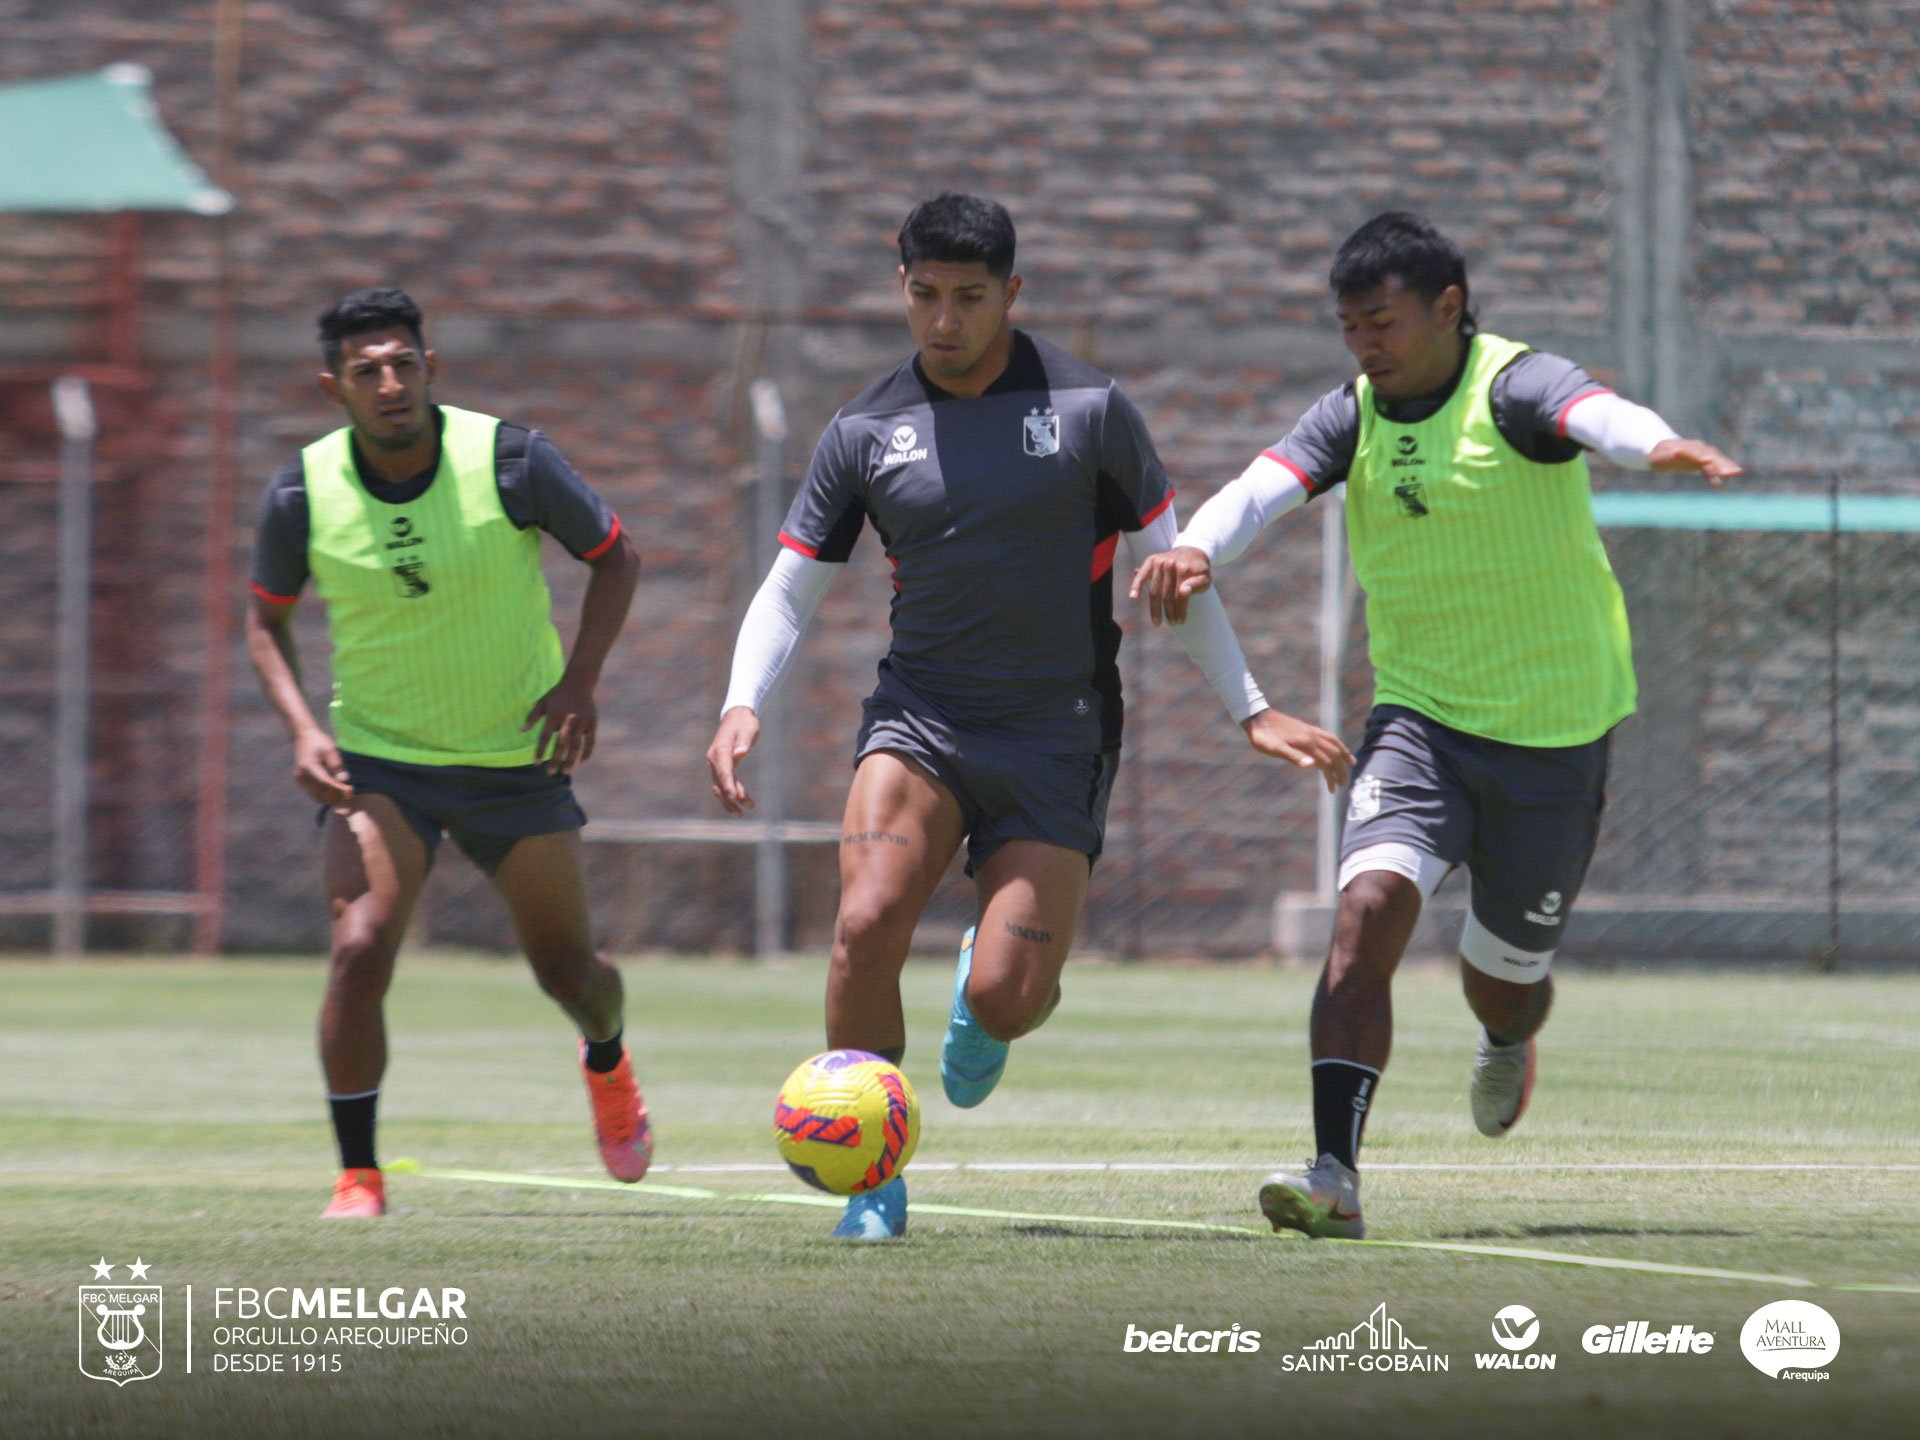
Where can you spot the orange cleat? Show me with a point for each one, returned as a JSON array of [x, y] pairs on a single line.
[[357, 1195], [620, 1122]]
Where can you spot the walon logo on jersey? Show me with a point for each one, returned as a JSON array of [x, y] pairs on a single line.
[[903, 447], [1515, 1329], [1040, 433], [120, 1330], [1638, 1337]]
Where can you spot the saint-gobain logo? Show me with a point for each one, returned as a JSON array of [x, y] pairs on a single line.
[[120, 1328], [1790, 1340]]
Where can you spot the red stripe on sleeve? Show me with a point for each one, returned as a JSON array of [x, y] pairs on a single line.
[[1286, 464], [270, 597], [1561, 424], [812, 552], [1103, 552], [605, 545], [1150, 517]]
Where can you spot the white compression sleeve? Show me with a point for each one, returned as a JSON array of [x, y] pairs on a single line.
[[1227, 523], [1619, 429], [773, 625], [1208, 636]]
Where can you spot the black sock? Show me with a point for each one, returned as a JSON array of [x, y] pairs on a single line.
[[603, 1056], [353, 1128], [1342, 1092]]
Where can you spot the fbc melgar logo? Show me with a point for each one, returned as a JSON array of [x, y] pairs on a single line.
[[1182, 1341], [1790, 1340], [120, 1330]]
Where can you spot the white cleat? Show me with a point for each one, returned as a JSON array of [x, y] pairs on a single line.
[[1323, 1204], [1502, 1085]]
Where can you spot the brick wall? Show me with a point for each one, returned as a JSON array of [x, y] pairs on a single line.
[[567, 190]]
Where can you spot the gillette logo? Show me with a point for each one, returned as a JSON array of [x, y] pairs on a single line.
[[1638, 1337]]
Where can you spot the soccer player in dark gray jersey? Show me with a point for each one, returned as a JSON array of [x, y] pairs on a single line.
[[1000, 513], [1001, 474]]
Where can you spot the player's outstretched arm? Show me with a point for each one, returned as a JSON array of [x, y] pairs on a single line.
[[1677, 455], [1298, 743], [769, 634], [317, 767]]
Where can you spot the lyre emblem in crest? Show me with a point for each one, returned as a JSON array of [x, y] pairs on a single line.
[[120, 1332]]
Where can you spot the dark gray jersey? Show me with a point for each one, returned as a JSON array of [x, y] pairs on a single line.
[[1530, 399], [1000, 514]]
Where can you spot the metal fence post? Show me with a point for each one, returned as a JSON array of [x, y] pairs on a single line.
[[770, 855], [73, 410]]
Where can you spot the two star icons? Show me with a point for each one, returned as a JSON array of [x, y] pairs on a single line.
[[136, 1271]]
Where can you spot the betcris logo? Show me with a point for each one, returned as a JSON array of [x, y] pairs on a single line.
[[1182, 1341]]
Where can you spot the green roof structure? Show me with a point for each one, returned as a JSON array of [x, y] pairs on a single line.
[[95, 144]]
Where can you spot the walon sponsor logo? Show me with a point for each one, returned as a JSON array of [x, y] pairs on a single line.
[[1515, 1329]]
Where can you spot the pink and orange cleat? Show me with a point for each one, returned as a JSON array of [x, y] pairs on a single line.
[[357, 1195], [620, 1123]]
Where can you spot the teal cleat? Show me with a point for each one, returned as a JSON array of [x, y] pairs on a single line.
[[877, 1215], [971, 1061]]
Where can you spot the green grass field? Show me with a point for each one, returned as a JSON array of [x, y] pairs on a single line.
[[1724, 1120]]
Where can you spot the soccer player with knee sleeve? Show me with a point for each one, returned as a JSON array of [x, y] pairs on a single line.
[[1000, 473], [455, 710], [1499, 642]]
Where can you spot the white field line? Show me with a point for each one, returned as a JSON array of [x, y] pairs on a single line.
[[1143, 1167]]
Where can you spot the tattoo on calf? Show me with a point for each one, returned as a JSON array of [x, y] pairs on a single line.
[[1044, 937], [886, 836]]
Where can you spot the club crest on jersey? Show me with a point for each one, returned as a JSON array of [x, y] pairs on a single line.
[[1040, 433]]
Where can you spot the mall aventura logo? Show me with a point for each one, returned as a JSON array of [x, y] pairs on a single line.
[[120, 1325], [1378, 1343]]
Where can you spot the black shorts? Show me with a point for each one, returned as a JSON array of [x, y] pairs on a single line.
[[1006, 792], [1523, 819], [485, 810]]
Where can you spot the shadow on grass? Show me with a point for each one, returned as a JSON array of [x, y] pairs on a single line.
[[1146, 1232], [1550, 1232]]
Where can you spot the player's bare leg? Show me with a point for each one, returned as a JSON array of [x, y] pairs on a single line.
[[546, 895], [901, 830], [1008, 979], [1353, 1005], [372, 868], [900, 833], [1351, 1037], [1510, 1014]]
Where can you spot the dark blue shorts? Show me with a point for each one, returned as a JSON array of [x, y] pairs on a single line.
[[485, 810], [1006, 792]]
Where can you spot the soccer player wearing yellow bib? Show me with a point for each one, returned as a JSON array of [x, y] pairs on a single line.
[[1501, 660], [454, 709]]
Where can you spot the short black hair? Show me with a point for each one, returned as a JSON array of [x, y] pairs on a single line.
[[959, 229], [1402, 243], [380, 307]]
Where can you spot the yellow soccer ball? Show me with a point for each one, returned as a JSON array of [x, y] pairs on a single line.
[[846, 1121]]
